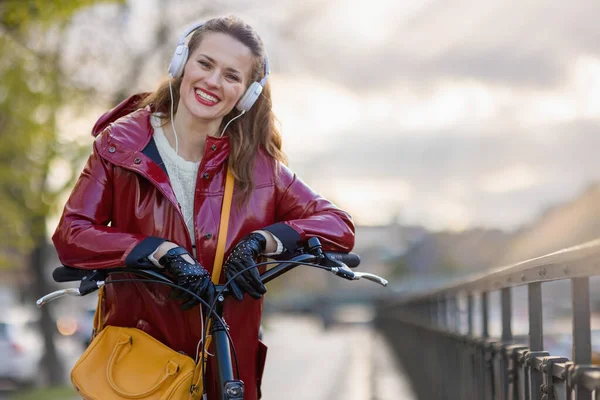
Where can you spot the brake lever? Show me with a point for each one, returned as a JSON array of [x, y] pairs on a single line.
[[371, 277], [340, 269], [63, 292]]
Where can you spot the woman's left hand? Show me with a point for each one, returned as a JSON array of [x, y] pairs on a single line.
[[244, 255]]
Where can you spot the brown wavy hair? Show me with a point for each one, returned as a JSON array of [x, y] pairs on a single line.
[[248, 134]]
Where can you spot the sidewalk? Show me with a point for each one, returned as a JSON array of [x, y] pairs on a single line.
[[348, 362]]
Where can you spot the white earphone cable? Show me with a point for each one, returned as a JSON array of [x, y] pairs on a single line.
[[172, 120], [183, 199], [177, 139], [231, 120]]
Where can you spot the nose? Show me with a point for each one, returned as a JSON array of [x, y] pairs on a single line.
[[213, 79]]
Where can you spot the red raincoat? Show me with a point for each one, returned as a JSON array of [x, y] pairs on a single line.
[[123, 206]]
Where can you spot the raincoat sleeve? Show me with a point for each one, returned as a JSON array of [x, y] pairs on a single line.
[[83, 237], [301, 213]]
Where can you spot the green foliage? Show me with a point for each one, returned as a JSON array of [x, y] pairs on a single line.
[[20, 14], [33, 91], [55, 393]]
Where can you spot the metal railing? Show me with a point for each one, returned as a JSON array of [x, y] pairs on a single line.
[[434, 337]]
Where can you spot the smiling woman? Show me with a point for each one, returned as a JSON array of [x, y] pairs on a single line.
[[151, 193]]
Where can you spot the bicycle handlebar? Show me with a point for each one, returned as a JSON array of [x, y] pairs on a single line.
[[92, 280], [70, 274], [352, 260]]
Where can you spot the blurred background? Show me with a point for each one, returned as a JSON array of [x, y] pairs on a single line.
[[461, 135]]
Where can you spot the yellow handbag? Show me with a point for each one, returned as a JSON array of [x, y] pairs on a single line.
[[127, 363]]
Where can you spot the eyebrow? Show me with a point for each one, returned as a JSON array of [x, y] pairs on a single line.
[[212, 60]]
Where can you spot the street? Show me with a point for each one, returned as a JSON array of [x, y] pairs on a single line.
[[347, 362]]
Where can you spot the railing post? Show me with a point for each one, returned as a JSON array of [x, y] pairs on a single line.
[[429, 312], [470, 314], [536, 322], [501, 357], [443, 304], [485, 315], [506, 300], [442, 354], [582, 342], [486, 379], [471, 376], [536, 338], [455, 347], [452, 311]]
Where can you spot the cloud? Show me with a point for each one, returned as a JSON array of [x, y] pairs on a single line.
[[487, 110], [452, 152], [497, 42], [494, 180]]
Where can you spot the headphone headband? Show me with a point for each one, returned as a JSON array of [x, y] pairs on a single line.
[[189, 30], [263, 81]]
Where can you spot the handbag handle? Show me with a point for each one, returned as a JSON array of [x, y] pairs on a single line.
[[171, 370]]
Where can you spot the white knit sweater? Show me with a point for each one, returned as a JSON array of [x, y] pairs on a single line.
[[182, 174]]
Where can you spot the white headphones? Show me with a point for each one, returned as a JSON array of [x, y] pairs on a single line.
[[181, 55]]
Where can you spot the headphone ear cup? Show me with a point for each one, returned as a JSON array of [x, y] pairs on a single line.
[[178, 61], [250, 96]]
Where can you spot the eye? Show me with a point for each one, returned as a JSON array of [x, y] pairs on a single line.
[[233, 78], [203, 63]]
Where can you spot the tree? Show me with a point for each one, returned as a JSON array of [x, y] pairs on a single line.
[[33, 92]]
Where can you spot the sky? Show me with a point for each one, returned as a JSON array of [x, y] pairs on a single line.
[[448, 114]]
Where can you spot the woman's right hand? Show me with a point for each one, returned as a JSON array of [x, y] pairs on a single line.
[[188, 274], [166, 246]]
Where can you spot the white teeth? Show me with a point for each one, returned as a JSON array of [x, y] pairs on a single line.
[[206, 96]]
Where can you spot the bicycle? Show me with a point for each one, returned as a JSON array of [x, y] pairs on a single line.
[[230, 386]]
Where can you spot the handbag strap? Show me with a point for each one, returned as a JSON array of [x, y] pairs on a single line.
[[198, 385], [223, 226], [98, 323]]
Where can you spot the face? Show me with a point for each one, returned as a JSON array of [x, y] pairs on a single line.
[[215, 77]]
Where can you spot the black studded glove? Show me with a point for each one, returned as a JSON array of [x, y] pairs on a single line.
[[191, 276], [244, 255]]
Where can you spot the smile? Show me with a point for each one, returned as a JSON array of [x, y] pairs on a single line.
[[206, 98]]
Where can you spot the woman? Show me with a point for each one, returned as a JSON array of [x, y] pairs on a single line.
[[152, 190]]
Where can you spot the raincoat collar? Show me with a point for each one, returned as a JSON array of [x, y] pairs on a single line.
[[130, 131], [124, 138]]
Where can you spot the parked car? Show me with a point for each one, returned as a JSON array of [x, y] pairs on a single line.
[[20, 354]]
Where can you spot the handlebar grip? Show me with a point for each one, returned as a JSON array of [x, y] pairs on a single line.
[[69, 274], [350, 259]]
